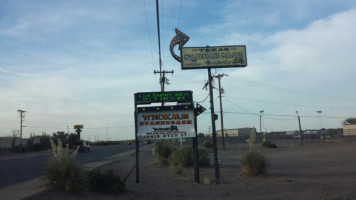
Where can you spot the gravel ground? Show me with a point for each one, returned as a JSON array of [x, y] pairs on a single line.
[[310, 171]]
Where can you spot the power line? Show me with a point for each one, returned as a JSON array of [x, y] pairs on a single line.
[[290, 104], [241, 107], [204, 99], [293, 91], [180, 6], [149, 34]]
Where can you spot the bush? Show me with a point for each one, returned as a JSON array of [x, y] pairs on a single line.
[[20, 149], [208, 145], [105, 183], [163, 151], [253, 163], [204, 160], [269, 145], [182, 157], [37, 147], [64, 172]]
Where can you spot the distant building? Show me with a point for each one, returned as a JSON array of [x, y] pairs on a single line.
[[349, 130], [6, 142], [236, 132]]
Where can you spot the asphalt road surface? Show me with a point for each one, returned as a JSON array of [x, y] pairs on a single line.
[[17, 170]]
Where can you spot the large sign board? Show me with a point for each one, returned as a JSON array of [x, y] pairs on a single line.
[[213, 57], [165, 123], [157, 97]]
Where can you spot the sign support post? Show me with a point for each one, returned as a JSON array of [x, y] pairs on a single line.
[[216, 162], [137, 146], [195, 148]]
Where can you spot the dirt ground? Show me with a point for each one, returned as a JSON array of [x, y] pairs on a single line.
[[311, 171]]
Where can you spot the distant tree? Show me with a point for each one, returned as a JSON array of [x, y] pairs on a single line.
[[71, 140], [30, 142], [13, 140], [350, 121], [201, 135], [44, 141], [60, 136]]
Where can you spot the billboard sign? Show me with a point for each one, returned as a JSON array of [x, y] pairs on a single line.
[[165, 124], [213, 57], [78, 126]]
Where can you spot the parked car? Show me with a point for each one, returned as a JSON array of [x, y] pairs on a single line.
[[83, 146], [129, 143], [296, 136]]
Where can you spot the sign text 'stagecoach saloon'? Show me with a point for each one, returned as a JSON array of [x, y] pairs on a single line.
[[166, 124]]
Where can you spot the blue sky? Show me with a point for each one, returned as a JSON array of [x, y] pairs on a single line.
[[80, 62]]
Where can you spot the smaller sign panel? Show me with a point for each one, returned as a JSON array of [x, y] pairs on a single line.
[[165, 124], [78, 126], [213, 57], [157, 97]]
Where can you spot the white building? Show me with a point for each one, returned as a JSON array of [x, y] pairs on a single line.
[[349, 130]]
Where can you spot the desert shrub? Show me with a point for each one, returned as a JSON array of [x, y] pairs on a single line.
[[253, 163], [269, 145], [37, 147], [45, 141], [204, 160], [20, 149], [163, 151], [64, 172], [208, 145], [106, 182], [252, 139], [182, 157]]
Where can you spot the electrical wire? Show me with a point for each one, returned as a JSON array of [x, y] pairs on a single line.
[[289, 104], [149, 34], [203, 100], [293, 91], [180, 7], [240, 107]]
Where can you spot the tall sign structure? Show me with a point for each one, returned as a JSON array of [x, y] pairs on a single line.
[[166, 122], [207, 58]]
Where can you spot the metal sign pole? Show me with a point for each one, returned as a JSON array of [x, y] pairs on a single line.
[[137, 145], [195, 148], [216, 163]]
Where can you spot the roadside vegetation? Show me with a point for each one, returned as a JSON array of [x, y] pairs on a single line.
[[269, 144], [253, 163], [65, 173], [178, 157]]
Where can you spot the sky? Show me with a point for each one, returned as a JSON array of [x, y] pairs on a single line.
[[80, 62]]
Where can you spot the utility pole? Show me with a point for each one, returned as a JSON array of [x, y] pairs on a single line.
[[163, 79], [264, 137], [213, 118], [219, 76], [107, 133], [22, 115], [319, 112], [300, 129]]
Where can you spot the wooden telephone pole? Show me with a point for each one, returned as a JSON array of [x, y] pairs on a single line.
[[22, 115], [219, 76]]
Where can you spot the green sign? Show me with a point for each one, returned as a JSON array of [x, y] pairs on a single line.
[[157, 97], [214, 57]]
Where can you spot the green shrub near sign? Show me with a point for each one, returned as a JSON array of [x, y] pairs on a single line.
[[179, 157], [106, 182]]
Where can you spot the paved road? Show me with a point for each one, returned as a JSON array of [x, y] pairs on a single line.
[[16, 170]]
